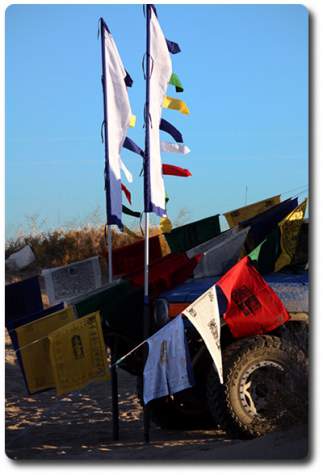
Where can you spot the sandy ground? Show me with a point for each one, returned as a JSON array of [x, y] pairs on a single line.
[[78, 427]]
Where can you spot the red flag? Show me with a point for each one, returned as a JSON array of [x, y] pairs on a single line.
[[253, 307], [175, 171], [126, 192], [166, 273], [130, 258]]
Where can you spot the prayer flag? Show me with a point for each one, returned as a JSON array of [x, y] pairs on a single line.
[[203, 313], [78, 354], [175, 81], [165, 225], [289, 233], [133, 147], [175, 171], [267, 252], [262, 224], [118, 117], [168, 368], [173, 47], [130, 212], [126, 172], [167, 127], [126, 192], [174, 147], [220, 253], [175, 104], [34, 348], [161, 71], [253, 307], [129, 258], [22, 298], [185, 237], [246, 212]]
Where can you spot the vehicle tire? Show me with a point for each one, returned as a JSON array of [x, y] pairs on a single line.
[[183, 411], [265, 387]]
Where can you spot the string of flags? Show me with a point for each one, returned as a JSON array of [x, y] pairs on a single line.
[[58, 348]]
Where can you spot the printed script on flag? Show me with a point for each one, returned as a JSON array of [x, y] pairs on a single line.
[[78, 354], [203, 313]]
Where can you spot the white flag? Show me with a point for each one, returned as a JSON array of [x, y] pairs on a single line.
[[126, 172], [219, 253], [174, 147], [161, 71], [118, 114], [203, 313]]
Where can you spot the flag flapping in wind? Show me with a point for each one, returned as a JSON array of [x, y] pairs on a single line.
[[118, 117], [159, 76]]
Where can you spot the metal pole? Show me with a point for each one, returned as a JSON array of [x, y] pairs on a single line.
[[147, 207], [110, 274], [114, 375]]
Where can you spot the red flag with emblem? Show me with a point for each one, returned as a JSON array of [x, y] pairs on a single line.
[[253, 307]]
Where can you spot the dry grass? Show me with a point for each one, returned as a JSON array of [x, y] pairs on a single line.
[[60, 247]]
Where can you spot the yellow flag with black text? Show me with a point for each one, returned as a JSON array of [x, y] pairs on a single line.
[[238, 215], [34, 348], [289, 233], [78, 354]]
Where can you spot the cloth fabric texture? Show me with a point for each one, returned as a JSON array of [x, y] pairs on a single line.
[[170, 129], [262, 224], [204, 315], [166, 273], [78, 354], [129, 258], [175, 81], [290, 229], [234, 217], [175, 104], [175, 171], [21, 299], [267, 252], [166, 369], [253, 307], [161, 72], [34, 349], [174, 148], [183, 238], [118, 114], [221, 255]]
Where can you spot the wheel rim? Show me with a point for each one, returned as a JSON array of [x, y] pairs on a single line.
[[260, 388]]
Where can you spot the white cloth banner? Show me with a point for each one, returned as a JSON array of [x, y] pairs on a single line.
[[118, 113], [126, 172], [161, 71], [174, 147], [219, 253], [167, 366], [203, 313]]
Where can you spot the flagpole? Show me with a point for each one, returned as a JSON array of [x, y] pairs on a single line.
[[114, 375], [147, 207]]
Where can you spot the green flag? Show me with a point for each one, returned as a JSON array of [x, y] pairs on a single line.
[[175, 81], [267, 252]]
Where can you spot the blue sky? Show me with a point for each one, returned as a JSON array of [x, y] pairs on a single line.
[[245, 73]]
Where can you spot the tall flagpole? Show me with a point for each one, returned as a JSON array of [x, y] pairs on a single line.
[[106, 149], [114, 375], [147, 205]]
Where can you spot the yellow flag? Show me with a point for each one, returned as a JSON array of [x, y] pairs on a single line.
[[289, 233], [132, 121], [34, 348], [78, 354], [246, 212], [165, 225], [164, 246], [175, 104]]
